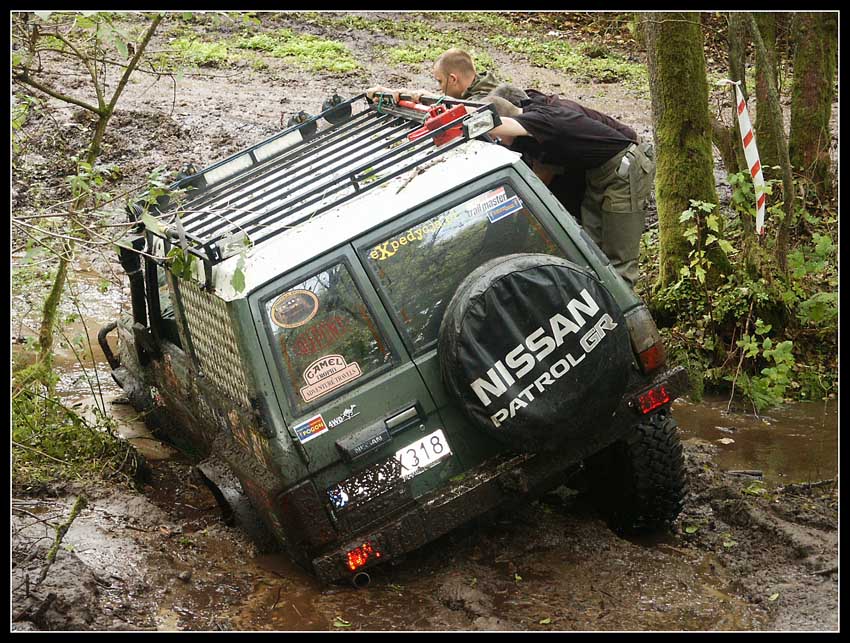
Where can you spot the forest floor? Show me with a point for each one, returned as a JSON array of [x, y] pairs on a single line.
[[745, 554]]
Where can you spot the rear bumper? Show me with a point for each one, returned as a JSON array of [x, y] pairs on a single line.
[[482, 489], [488, 486]]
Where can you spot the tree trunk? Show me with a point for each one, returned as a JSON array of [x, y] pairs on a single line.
[[815, 63], [681, 128], [49, 315], [738, 72], [764, 123], [787, 177]]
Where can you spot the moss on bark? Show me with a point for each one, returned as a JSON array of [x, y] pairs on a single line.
[[815, 64], [764, 123], [682, 129]]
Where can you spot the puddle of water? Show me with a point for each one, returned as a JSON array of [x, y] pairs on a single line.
[[797, 442], [283, 598]]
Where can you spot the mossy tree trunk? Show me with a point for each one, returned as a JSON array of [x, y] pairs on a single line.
[[738, 32], [681, 128], [815, 60], [764, 124], [788, 192]]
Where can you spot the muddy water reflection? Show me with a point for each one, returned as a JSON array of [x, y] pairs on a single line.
[[793, 443]]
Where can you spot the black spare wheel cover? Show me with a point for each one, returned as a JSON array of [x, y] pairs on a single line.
[[535, 350]]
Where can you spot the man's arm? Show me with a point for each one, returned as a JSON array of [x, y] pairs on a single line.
[[508, 130]]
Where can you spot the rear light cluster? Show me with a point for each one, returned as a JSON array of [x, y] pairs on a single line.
[[650, 400], [359, 556], [646, 341]]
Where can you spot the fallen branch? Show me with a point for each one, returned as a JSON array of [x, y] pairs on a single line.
[[61, 530], [827, 571], [806, 486], [24, 615]]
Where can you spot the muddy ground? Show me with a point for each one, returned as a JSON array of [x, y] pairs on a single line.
[[739, 557]]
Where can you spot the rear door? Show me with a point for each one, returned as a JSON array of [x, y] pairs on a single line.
[[349, 393]]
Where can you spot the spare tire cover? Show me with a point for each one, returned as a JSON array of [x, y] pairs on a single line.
[[535, 350]]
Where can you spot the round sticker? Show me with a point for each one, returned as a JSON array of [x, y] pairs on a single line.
[[294, 308]]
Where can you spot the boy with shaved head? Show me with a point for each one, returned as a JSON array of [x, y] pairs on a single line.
[[455, 72], [457, 77]]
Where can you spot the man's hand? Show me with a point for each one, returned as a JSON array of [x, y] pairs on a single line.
[[402, 93], [378, 89]]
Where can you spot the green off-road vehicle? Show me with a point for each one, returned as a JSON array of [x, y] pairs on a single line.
[[386, 326]]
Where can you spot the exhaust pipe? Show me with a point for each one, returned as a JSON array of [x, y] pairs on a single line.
[[361, 580]]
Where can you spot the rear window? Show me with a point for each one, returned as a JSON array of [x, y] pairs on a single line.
[[421, 267], [324, 337]]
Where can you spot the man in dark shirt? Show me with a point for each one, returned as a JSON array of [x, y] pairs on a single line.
[[561, 136]]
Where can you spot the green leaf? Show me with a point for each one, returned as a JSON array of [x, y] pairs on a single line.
[[773, 597], [341, 622], [727, 247], [517, 578], [238, 280], [545, 621], [728, 544], [152, 223], [691, 529], [121, 46], [712, 222], [755, 489], [687, 215], [710, 239]]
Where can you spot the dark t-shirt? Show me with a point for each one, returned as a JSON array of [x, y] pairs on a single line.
[[554, 99], [567, 137]]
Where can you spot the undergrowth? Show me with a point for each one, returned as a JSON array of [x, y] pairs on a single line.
[[755, 331], [51, 442], [306, 50]]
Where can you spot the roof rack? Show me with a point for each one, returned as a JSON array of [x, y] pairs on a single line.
[[293, 176]]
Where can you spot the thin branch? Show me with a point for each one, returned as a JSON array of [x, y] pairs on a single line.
[[29, 448], [134, 62], [89, 67], [25, 78]]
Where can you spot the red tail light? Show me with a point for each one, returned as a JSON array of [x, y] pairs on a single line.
[[652, 358], [652, 399], [646, 341], [359, 556]]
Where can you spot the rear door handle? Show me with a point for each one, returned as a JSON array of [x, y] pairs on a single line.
[[403, 417]]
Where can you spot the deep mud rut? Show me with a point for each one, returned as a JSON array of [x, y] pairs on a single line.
[[163, 558]]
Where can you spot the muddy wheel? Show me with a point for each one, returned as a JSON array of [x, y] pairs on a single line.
[[639, 482]]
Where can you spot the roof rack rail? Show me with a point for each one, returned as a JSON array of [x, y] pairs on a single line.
[[303, 171]]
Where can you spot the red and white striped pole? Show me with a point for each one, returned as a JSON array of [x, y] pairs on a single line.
[[750, 152]]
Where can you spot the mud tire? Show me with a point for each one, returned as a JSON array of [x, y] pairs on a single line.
[[639, 483]]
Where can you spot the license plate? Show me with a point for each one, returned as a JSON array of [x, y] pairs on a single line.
[[423, 454]]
